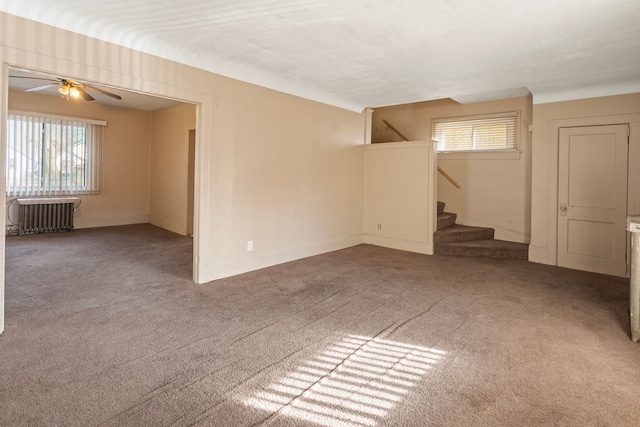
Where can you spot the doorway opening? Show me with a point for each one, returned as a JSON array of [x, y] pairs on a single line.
[[142, 178]]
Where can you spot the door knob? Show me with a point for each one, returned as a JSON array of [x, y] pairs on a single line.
[[563, 209]]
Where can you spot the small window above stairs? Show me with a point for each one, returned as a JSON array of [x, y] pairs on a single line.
[[454, 239]]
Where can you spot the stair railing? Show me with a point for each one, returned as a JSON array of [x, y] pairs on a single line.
[[451, 180], [404, 138]]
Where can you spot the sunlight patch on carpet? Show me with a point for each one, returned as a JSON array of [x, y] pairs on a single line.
[[354, 383]]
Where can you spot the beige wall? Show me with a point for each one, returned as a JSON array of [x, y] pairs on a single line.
[[495, 187], [282, 171], [169, 142], [124, 197], [297, 177], [400, 195], [547, 119]]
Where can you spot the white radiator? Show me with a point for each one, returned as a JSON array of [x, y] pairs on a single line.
[[46, 214]]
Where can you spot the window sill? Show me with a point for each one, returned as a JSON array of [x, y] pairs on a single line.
[[480, 155]]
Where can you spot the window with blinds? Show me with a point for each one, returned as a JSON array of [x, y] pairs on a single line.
[[49, 156], [491, 132]]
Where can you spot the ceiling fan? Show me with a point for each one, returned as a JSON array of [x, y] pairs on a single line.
[[68, 88]]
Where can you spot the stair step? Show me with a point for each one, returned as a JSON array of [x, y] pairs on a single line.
[[446, 219], [459, 233], [463, 240], [489, 248]]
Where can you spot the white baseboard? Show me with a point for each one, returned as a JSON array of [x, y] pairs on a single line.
[[110, 221], [400, 244], [169, 225], [255, 260], [539, 255]]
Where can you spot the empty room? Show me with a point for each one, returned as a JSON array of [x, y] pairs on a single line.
[[320, 213]]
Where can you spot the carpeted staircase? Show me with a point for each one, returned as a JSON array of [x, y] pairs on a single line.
[[454, 239]]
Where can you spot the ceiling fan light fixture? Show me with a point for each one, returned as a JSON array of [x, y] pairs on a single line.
[[73, 91], [64, 89]]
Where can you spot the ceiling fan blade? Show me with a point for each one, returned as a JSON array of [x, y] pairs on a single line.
[[104, 92], [34, 78], [83, 94], [37, 88]]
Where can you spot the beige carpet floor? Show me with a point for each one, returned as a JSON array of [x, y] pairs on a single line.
[[105, 328]]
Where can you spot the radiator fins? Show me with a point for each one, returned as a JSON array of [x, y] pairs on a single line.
[[48, 217]]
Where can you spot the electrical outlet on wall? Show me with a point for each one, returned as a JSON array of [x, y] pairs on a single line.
[[249, 245]]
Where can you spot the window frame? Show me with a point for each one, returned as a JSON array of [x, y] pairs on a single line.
[[92, 165], [481, 153]]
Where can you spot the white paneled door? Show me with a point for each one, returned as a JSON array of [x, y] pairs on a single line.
[[592, 198]]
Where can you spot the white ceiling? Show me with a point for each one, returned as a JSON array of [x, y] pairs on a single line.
[[357, 53]]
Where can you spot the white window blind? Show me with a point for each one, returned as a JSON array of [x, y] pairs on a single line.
[[51, 156], [489, 132]]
